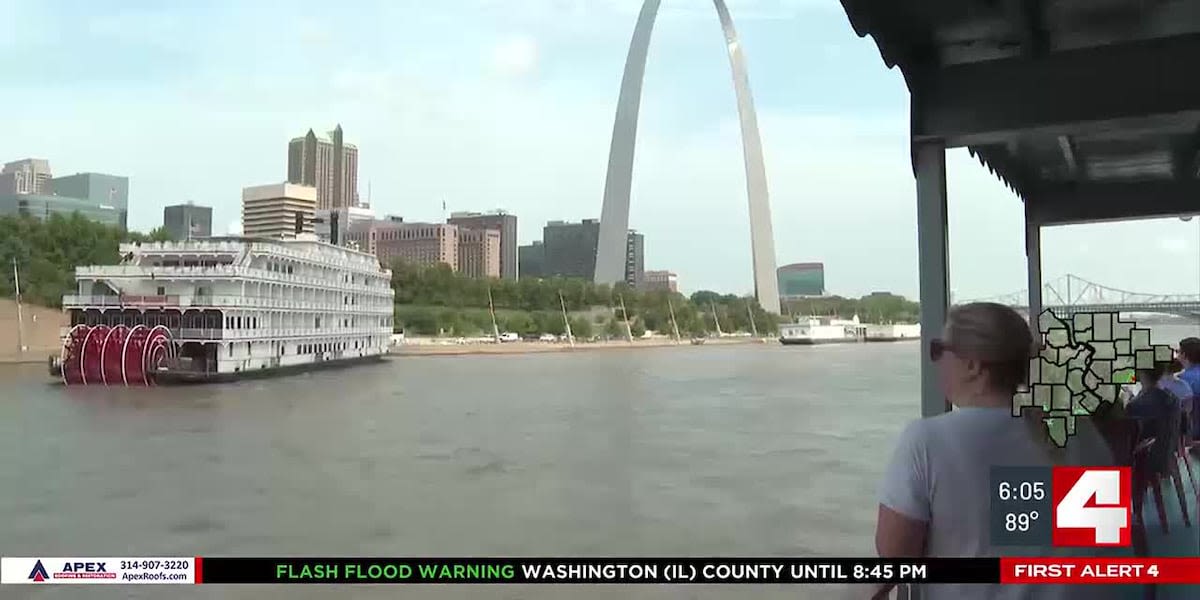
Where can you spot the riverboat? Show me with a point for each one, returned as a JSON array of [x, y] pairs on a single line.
[[809, 331], [224, 308]]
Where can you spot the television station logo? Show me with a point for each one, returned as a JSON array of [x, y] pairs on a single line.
[[1093, 506], [72, 570]]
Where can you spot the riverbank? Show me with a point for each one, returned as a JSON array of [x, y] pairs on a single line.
[[39, 332], [430, 347]]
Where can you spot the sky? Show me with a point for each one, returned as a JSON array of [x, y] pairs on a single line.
[[486, 104]]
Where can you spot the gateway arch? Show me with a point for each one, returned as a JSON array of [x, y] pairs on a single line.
[[614, 217]]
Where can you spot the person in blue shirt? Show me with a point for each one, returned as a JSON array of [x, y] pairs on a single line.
[[1156, 409], [1189, 358]]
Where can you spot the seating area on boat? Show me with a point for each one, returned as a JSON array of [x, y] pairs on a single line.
[[1088, 113], [1166, 519]]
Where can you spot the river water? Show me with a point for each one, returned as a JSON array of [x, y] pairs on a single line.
[[694, 450]]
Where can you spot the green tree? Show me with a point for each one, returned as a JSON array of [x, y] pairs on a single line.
[[636, 328], [613, 329], [581, 328]]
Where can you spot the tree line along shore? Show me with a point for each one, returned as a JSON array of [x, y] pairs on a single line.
[[435, 300]]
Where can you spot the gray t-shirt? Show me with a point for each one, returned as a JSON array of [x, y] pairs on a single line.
[[941, 474]]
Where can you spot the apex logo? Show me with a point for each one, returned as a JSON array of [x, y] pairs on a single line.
[[39, 572], [84, 567]]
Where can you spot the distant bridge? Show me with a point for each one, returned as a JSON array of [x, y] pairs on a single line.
[[1070, 294]]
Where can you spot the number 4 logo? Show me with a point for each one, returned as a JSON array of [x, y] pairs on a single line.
[[1092, 506]]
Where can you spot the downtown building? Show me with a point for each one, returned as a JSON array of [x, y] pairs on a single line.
[[569, 250], [28, 187], [328, 164], [272, 210], [801, 280], [345, 217], [187, 221], [502, 222], [415, 243], [635, 259], [479, 252], [655, 281], [532, 260]]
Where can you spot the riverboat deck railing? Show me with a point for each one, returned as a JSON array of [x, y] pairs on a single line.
[[225, 272], [380, 305]]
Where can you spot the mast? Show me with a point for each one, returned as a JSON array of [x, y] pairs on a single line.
[[492, 310], [674, 325], [753, 327], [20, 317], [716, 321], [566, 321], [625, 314]]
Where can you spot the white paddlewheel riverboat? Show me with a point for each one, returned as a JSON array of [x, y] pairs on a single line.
[[224, 308]]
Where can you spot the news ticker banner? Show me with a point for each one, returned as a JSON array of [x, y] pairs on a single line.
[[343, 570]]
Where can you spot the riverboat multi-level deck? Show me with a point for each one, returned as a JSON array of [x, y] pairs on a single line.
[[223, 308]]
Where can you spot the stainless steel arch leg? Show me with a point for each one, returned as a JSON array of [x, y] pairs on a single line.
[[614, 217]]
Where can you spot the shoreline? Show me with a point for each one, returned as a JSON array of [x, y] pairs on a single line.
[[531, 347], [35, 356]]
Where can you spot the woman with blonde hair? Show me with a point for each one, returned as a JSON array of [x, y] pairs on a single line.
[[936, 495]]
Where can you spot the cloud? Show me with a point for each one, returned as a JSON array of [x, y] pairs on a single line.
[[234, 227], [515, 57]]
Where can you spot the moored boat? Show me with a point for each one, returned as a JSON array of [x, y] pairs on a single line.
[[224, 308], [899, 332], [810, 331]]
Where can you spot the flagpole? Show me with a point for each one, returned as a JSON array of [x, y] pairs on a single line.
[[20, 317]]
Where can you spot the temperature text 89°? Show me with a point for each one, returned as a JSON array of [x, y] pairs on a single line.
[[1020, 521]]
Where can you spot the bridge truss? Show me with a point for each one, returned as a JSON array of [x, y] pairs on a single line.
[[1069, 291]]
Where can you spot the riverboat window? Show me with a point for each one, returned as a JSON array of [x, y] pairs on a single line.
[[289, 269], [231, 349], [239, 323], [160, 291]]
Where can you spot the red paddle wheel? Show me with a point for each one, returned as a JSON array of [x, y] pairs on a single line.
[[100, 354], [90, 355], [72, 371], [158, 351], [110, 355]]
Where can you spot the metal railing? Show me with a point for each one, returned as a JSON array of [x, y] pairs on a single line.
[[227, 272], [226, 301], [216, 333]]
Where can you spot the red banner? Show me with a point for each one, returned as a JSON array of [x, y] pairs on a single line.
[[1113, 571]]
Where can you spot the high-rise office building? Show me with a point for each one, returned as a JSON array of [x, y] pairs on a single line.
[[39, 206], [501, 221], [800, 280], [635, 259], [99, 188], [28, 176], [479, 252], [571, 248], [532, 260], [328, 164], [187, 221], [271, 210]]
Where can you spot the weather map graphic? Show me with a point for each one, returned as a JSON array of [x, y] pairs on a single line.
[[1083, 363]]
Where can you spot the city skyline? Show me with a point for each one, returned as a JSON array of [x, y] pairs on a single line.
[[517, 113]]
